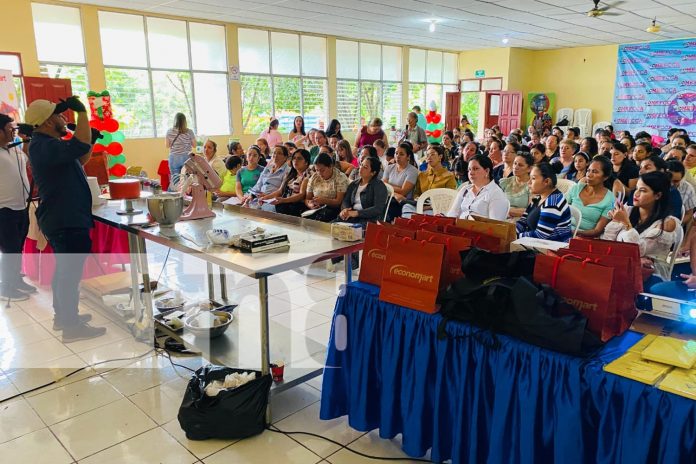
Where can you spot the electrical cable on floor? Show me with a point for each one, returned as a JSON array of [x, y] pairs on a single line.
[[73, 373], [275, 429]]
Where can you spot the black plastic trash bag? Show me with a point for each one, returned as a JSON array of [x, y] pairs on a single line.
[[236, 413]]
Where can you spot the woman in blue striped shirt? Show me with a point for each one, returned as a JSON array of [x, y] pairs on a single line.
[[548, 216]]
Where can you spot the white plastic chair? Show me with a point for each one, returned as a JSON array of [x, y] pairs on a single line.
[[672, 256], [440, 200], [599, 125], [390, 195], [565, 112], [563, 185], [582, 119], [576, 214]]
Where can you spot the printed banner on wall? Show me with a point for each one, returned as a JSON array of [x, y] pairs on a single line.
[[656, 87], [541, 108], [9, 104]]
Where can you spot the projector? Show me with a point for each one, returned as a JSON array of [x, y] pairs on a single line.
[[667, 308]]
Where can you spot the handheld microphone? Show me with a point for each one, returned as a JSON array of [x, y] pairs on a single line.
[[15, 144]]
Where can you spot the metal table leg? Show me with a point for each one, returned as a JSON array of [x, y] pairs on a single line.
[[144, 319], [135, 278], [211, 280], [223, 284], [265, 346], [348, 263]]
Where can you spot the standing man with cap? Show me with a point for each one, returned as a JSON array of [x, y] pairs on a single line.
[[65, 212], [14, 219]]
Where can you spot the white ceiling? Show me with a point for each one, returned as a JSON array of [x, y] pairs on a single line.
[[462, 24]]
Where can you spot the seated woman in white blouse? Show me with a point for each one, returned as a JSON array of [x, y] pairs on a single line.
[[648, 222], [482, 197]]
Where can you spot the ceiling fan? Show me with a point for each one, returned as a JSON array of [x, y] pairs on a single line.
[[596, 12]]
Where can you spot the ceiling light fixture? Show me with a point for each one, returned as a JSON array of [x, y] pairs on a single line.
[[653, 28], [431, 28], [506, 40]]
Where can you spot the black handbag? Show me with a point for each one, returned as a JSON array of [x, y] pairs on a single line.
[[480, 265], [236, 413], [517, 307]]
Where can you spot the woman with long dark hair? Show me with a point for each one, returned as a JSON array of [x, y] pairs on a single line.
[[578, 170], [298, 135], [334, 130], [271, 134], [548, 216], [648, 222], [482, 197], [625, 170], [402, 176], [589, 145], [593, 197], [289, 198]]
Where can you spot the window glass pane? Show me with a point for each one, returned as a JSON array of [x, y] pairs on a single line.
[[208, 51], [346, 59], [77, 75], [370, 61], [173, 94], [391, 63], [450, 71], [492, 84], [391, 102], [314, 96], [470, 85], [212, 103], [433, 93], [12, 63], [494, 109], [256, 103], [347, 101], [286, 92], [168, 43], [253, 51], [446, 89], [370, 100], [313, 56], [416, 96], [470, 108], [58, 33], [434, 67], [286, 53], [416, 65], [122, 39], [131, 100]]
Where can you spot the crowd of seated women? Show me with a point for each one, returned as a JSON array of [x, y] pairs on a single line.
[[624, 186]]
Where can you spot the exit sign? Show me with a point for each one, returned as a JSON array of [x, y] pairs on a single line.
[[479, 73]]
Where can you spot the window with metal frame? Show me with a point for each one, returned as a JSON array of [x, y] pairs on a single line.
[[431, 75]]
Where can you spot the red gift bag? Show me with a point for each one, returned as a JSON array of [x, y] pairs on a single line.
[[452, 264], [375, 250], [608, 247], [585, 286], [416, 225], [439, 220], [411, 273], [478, 239], [624, 292]]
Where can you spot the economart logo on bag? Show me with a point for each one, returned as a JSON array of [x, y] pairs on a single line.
[[580, 305], [377, 253], [400, 270]]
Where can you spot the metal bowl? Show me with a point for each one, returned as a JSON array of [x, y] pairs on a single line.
[[208, 332], [166, 208]]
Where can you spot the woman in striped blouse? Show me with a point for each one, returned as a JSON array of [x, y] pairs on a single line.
[[548, 216]]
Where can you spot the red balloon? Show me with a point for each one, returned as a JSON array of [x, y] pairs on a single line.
[[96, 123], [114, 148], [437, 118], [98, 147], [110, 125], [428, 119], [437, 133], [118, 170], [432, 113], [68, 136], [427, 132]]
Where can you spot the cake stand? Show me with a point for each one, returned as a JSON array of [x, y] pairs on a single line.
[[127, 208]]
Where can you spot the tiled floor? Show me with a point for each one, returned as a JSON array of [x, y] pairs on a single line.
[[125, 411]]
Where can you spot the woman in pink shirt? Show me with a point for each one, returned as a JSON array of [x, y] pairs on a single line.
[[368, 134], [272, 135]]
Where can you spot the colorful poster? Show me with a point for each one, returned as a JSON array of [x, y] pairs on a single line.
[[656, 87], [9, 104], [541, 107]]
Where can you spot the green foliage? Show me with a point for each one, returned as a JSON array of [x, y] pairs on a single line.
[[173, 94], [470, 108], [256, 103], [131, 100], [370, 100], [416, 96]]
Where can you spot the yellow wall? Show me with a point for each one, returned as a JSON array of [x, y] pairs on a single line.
[[494, 61]]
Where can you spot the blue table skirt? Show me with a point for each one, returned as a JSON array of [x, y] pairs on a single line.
[[472, 404]]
